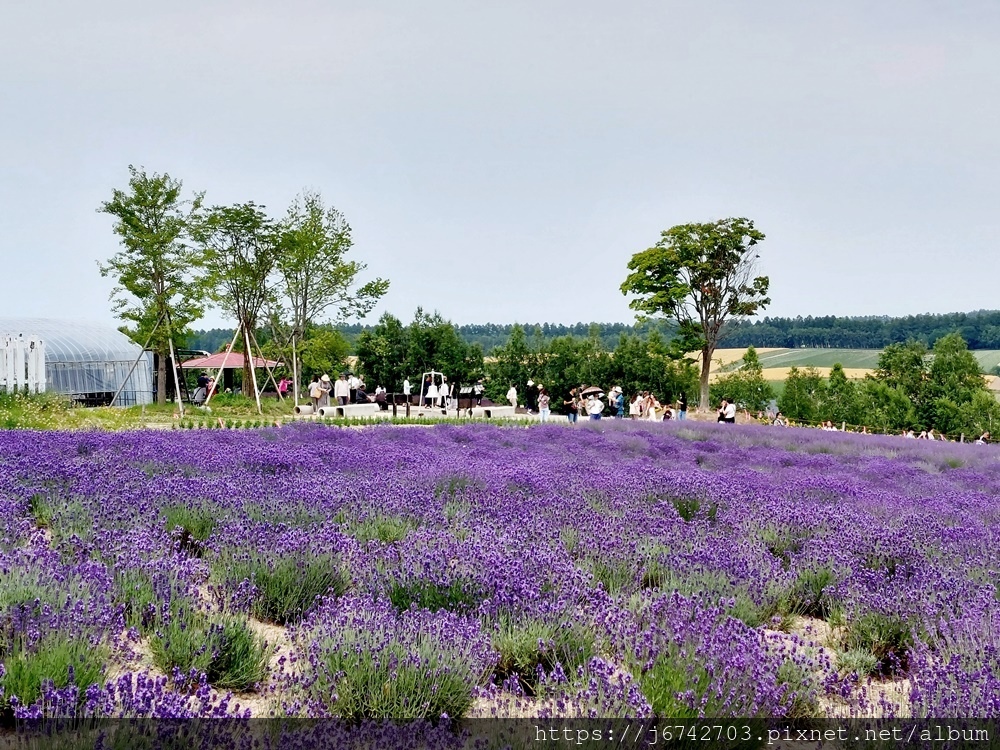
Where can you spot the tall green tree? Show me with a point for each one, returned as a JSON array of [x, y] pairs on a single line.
[[514, 363], [159, 274], [903, 367], [382, 353], [883, 407], [241, 246], [840, 400], [315, 279], [324, 351], [746, 387], [701, 275], [433, 343], [803, 395]]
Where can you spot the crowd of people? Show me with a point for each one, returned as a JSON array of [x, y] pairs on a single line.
[[347, 389], [589, 403]]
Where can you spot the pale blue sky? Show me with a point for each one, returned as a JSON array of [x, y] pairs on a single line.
[[503, 161]]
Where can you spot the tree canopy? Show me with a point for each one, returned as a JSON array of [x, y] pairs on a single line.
[[701, 275], [160, 283]]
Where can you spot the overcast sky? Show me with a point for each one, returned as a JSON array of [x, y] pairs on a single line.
[[502, 161]]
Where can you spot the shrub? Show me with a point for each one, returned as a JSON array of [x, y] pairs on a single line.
[[783, 543], [809, 595], [41, 510], [887, 638], [228, 652], [240, 658], [857, 661], [452, 485], [190, 526], [365, 662], [63, 661], [148, 597], [285, 586], [681, 658], [526, 644], [386, 529], [615, 576], [458, 595]]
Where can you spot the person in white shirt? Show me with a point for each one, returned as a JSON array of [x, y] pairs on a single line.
[[512, 396], [594, 407], [342, 390], [730, 413], [635, 407]]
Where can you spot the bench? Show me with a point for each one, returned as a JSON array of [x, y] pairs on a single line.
[[492, 412], [356, 410]]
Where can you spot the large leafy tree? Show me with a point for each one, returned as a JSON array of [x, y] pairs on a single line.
[[159, 274], [241, 246], [803, 396], [433, 343], [315, 279], [514, 363], [701, 275], [746, 387], [840, 401], [382, 353]]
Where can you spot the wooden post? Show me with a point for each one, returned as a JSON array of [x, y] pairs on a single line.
[[253, 370], [266, 368], [134, 364], [295, 373], [208, 396], [177, 384]]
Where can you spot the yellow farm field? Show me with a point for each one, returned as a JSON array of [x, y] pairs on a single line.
[[781, 373]]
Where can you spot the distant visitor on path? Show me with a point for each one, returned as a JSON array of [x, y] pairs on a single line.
[[314, 391], [543, 405], [617, 402], [512, 396], [635, 407], [341, 389], [572, 406], [594, 407], [283, 386], [477, 391], [531, 396], [431, 393], [406, 388], [682, 406], [324, 388]]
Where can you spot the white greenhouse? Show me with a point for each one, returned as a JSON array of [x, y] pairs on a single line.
[[89, 362]]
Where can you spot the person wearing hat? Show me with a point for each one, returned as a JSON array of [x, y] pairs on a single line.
[[543, 404], [324, 391], [594, 407], [617, 402]]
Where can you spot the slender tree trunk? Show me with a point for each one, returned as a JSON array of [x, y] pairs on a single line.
[[161, 378], [706, 367]]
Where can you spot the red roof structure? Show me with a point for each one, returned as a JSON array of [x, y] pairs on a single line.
[[234, 361]]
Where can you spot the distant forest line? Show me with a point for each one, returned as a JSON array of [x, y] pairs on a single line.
[[980, 329]]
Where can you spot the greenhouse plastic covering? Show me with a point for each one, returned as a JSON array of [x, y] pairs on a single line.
[[88, 361]]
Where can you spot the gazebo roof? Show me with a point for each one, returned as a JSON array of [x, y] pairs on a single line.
[[234, 361]]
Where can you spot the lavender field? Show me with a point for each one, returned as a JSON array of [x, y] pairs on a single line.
[[617, 571]]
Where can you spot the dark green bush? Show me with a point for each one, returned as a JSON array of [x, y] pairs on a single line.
[[459, 595]]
